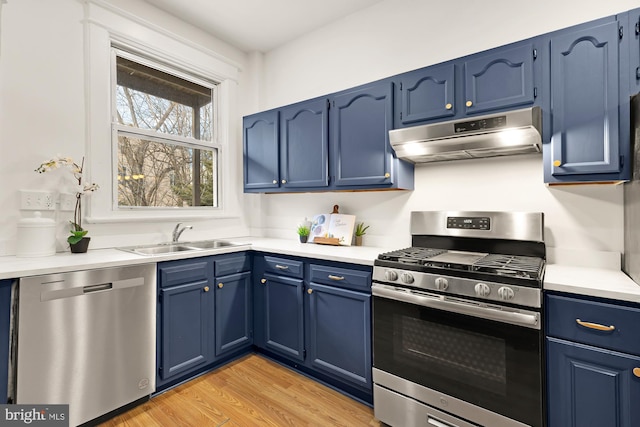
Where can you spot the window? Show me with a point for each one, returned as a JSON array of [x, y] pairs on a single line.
[[165, 137]]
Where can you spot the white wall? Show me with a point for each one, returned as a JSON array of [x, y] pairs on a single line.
[[400, 35], [42, 113]]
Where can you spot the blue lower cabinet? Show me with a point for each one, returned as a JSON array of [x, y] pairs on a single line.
[[591, 387], [284, 320], [233, 312], [185, 328], [339, 324], [5, 316]]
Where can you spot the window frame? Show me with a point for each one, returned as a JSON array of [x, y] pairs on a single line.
[[106, 27], [118, 129]]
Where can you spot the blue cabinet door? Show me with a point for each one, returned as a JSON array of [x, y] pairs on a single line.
[[340, 333], [186, 328], [233, 311], [585, 100], [634, 43], [5, 317], [591, 387], [426, 94], [260, 141], [283, 316], [500, 78], [360, 124], [304, 144]]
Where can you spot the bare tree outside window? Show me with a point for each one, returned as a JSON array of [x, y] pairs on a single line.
[[166, 152]]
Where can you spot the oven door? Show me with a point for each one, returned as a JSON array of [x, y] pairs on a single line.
[[485, 359]]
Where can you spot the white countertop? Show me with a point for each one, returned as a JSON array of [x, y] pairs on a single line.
[[12, 267], [598, 282]]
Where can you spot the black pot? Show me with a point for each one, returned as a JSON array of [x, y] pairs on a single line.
[[80, 247], [303, 239]]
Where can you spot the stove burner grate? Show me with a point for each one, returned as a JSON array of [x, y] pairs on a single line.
[[413, 255], [509, 265]]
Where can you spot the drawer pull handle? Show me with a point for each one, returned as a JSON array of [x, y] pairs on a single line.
[[596, 326], [332, 277], [636, 372], [282, 267]]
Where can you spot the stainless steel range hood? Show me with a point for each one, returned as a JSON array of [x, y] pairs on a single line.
[[501, 134]]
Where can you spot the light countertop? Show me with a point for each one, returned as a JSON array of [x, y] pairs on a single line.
[[598, 282]]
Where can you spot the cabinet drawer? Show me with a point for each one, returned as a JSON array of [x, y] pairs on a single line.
[[173, 273], [284, 266], [342, 277], [231, 264], [620, 323]]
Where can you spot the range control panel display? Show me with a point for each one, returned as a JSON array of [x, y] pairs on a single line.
[[469, 223], [476, 125]]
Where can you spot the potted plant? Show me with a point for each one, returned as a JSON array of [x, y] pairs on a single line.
[[78, 241], [361, 230], [303, 233]]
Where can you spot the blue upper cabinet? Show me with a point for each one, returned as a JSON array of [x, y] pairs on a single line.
[[426, 94], [589, 104], [634, 57], [362, 156], [503, 78], [304, 144], [260, 139], [500, 78]]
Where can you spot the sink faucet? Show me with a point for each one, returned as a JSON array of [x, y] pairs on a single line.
[[178, 231]]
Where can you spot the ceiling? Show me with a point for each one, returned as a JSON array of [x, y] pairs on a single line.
[[260, 25]]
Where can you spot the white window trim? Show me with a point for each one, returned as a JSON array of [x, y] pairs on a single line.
[[106, 26]]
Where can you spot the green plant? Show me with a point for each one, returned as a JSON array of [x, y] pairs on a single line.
[[361, 229], [303, 230]]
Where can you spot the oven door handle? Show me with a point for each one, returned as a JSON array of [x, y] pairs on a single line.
[[527, 319]]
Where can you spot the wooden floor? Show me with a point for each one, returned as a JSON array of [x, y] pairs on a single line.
[[252, 391]]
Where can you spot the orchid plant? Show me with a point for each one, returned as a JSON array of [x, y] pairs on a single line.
[[77, 232]]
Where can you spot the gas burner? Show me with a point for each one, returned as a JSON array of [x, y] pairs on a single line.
[[412, 255], [510, 265]]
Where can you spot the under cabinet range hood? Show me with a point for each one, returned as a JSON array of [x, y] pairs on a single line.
[[501, 134]]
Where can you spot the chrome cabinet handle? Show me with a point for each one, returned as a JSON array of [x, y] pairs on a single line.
[[332, 277], [275, 181], [282, 267], [284, 181], [263, 281], [596, 326]]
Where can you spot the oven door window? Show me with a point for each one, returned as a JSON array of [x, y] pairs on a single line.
[[490, 364]]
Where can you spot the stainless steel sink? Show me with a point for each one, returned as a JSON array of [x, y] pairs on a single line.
[[209, 244], [162, 249], [168, 248]]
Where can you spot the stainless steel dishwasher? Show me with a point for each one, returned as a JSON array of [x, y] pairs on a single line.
[[87, 339]]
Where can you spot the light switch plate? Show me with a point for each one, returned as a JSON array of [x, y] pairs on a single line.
[[32, 200]]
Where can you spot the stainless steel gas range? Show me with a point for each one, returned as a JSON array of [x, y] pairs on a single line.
[[457, 338]]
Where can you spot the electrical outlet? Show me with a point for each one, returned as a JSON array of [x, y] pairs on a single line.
[[37, 200], [67, 202]]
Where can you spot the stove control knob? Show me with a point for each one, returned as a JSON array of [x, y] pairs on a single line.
[[482, 290], [390, 275], [406, 278], [442, 284], [505, 293]]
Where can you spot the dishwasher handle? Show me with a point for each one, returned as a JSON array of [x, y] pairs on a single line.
[[97, 288], [60, 291]]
